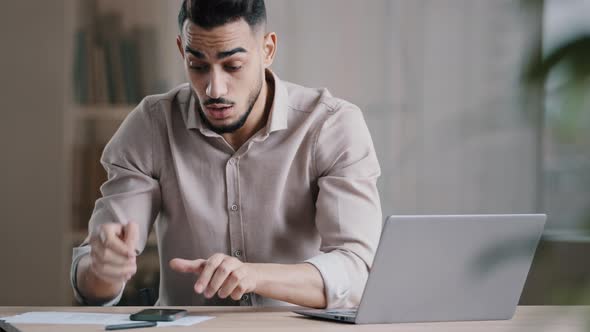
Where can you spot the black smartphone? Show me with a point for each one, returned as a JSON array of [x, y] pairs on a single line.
[[158, 315]]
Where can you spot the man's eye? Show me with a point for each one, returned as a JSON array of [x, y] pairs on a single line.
[[199, 68], [233, 68]]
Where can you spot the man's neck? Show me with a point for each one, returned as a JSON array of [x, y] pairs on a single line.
[[257, 119]]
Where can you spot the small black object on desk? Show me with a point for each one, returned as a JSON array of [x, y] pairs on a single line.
[[7, 327], [134, 325]]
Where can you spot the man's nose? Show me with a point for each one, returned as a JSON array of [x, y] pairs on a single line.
[[217, 87]]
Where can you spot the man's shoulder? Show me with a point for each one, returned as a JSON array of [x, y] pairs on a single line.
[[179, 94], [308, 100], [157, 108]]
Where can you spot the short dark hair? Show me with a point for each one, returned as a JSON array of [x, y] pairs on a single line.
[[209, 14]]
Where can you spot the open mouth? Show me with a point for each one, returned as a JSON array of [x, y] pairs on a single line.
[[219, 111]]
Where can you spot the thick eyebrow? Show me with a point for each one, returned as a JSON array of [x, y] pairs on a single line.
[[220, 55], [196, 53], [229, 53]]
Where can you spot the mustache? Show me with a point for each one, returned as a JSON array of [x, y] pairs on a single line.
[[218, 101]]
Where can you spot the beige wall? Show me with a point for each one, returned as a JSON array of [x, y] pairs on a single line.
[[32, 83], [438, 81]]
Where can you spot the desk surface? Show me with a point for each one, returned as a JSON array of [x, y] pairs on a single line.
[[527, 318]]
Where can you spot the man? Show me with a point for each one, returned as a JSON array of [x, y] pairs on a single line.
[[261, 191]]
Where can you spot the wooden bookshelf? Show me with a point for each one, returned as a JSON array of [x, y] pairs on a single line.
[[115, 59], [103, 112]]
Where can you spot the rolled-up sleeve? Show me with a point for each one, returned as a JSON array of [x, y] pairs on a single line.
[[348, 210], [132, 191]]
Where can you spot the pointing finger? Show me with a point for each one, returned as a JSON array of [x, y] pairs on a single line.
[[187, 266]]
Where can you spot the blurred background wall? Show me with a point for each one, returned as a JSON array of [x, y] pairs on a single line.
[[439, 83], [33, 245]]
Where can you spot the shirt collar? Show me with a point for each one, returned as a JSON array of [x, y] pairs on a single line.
[[277, 119]]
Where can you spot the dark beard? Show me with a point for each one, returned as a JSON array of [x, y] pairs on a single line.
[[230, 128]]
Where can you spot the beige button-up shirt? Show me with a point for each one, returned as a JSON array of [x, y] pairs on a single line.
[[302, 189]]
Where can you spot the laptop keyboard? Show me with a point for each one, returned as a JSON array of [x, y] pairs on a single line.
[[342, 312]]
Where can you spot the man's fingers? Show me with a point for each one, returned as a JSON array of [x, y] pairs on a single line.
[[212, 263], [131, 237], [114, 273], [110, 229], [187, 266], [103, 237], [113, 266], [109, 237], [229, 285], [221, 273], [108, 256], [238, 292], [117, 273]]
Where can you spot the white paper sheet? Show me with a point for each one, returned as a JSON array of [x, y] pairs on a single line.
[[84, 318]]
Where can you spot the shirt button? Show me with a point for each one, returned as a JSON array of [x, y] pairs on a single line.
[[232, 161], [234, 207], [238, 253], [245, 297]]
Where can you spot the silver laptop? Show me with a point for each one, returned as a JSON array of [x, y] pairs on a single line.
[[446, 268]]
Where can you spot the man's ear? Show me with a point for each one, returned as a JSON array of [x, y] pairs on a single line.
[[269, 48], [179, 44]]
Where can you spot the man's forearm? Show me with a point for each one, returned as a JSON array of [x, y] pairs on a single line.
[[91, 287], [300, 284]]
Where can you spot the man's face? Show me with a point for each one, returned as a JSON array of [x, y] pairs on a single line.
[[225, 69]]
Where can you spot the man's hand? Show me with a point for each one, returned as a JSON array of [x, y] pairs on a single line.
[[300, 284], [112, 257], [221, 274]]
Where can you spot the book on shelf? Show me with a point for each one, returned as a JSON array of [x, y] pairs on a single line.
[[114, 66], [130, 71], [101, 88], [147, 59], [81, 88], [110, 35]]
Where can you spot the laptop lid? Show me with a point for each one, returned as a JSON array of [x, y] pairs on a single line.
[[450, 267]]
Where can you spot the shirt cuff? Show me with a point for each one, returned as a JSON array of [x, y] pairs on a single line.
[[77, 254], [335, 276]]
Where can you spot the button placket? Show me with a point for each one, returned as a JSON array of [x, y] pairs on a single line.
[[233, 208]]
